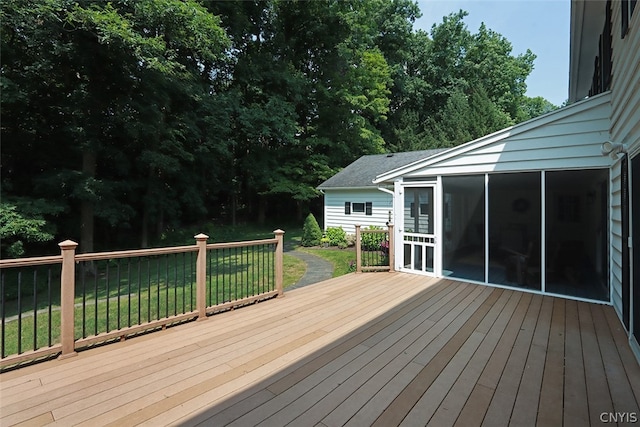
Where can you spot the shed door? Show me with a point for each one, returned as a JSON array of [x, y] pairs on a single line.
[[418, 233]]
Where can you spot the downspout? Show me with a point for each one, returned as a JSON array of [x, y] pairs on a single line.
[[324, 212], [395, 231], [385, 190]]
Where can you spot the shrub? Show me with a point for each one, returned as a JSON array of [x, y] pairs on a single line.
[[372, 241], [351, 239], [311, 233], [337, 236]]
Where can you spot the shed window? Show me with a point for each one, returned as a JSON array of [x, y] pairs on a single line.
[[358, 207]]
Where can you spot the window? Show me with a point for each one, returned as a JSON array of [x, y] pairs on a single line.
[[358, 207], [601, 80], [628, 6], [625, 18]]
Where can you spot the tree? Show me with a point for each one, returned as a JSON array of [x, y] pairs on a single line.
[[106, 95], [462, 86], [534, 107], [22, 221], [311, 233]]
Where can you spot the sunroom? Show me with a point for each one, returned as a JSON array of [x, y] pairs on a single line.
[[527, 207]]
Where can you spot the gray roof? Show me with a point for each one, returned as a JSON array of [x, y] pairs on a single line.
[[363, 171]]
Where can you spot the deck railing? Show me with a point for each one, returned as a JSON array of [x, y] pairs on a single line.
[[374, 249], [59, 304]]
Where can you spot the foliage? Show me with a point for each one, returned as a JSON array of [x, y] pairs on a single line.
[[23, 221], [372, 241], [337, 236], [311, 233], [138, 118], [460, 86]]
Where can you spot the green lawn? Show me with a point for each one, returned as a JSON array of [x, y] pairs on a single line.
[[294, 269]]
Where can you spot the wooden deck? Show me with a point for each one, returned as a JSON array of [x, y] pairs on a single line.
[[365, 349]]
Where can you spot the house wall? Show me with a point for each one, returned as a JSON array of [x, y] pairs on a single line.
[[334, 216], [567, 139], [625, 128]]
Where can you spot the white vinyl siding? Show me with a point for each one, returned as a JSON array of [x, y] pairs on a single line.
[[616, 238], [334, 208], [625, 129], [572, 141]]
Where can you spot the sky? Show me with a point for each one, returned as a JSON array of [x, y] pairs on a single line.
[[539, 25]]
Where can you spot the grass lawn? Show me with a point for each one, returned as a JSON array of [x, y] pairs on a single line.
[[294, 269]]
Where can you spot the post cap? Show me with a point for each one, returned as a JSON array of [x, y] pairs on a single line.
[[68, 244], [278, 232], [201, 236]]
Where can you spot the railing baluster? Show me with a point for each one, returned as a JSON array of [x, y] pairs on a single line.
[[175, 281], [211, 272], [166, 286], [4, 314], [148, 289], [224, 276], [84, 298], [129, 292], [184, 283], [19, 312], [118, 325], [157, 316], [217, 252], [95, 297], [50, 306], [35, 308], [139, 287], [107, 290]]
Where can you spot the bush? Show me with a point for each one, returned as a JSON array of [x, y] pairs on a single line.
[[372, 241], [351, 240], [337, 236], [311, 233]]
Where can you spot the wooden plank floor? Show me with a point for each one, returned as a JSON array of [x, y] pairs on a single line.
[[380, 349]]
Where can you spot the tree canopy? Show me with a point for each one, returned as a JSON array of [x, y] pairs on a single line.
[[122, 120]]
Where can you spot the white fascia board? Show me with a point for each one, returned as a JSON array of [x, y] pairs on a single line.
[[536, 122], [369, 187]]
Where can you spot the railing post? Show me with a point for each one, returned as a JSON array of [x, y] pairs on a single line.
[[358, 250], [279, 273], [67, 298], [392, 250], [201, 276]]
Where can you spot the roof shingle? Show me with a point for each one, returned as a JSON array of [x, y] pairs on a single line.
[[363, 171]]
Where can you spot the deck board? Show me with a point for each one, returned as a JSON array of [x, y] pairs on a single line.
[[364, 349]]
